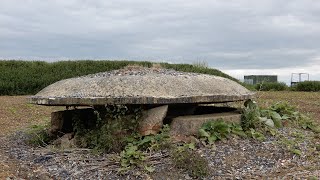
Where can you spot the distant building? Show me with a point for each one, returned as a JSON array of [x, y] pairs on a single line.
[[256, 79]]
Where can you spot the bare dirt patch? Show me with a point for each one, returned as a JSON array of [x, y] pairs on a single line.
[[15, 114]]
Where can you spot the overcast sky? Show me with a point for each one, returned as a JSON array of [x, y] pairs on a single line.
[[236, 36]]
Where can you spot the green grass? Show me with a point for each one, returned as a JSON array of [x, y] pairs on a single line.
[[29, 77]]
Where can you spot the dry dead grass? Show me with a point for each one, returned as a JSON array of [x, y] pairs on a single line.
[[16, 113]]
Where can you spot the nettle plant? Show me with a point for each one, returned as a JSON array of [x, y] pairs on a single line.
[[134, 151], [277, 115], [109, 131], [219, 130], [256, 122]]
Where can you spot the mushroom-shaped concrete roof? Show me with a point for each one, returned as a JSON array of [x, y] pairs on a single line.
[[141, 86]]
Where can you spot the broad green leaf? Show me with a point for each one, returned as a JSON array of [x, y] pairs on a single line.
[[258, 136], [146, 139], [203, 133], [212, 139], [149, 168], [285, 117], [266, 121], [276, 119], [304, 126], [191, 146], [269, 123], [250, 104], [240, 133], [275, 115], [263, 119], [296, 151], [273, 132], [218, 136], [315, 129], [124, 163], [131, 149]]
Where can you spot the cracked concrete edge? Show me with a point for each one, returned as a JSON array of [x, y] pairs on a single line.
[[73, 101]]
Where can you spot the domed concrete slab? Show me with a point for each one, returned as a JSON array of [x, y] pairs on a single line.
[[141, 86]]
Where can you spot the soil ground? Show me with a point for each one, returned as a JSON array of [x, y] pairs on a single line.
[[16, 113]]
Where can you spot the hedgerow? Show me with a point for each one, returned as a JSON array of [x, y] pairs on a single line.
[[29, 77], [313, 86], [271, 86]]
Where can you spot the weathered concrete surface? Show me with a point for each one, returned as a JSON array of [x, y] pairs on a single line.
[[184, 126], [57, 119], [141, 86], [152, 120]]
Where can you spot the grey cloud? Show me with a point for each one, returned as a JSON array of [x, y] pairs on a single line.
[[227, 34]]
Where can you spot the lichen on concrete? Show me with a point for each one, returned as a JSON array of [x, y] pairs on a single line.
[[141, 86]]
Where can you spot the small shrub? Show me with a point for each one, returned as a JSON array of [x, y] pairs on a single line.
[[110, 131], [257, 121], [271, 86], [190, 161], [218, 130], [294, 117], [265, 120], [38, 136], [133, 151], [250, 116], [131, 155], [255, 134], [308, 86]]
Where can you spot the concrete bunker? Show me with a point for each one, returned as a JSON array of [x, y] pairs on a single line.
[[164, 96]]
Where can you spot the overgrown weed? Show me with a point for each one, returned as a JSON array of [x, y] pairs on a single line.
[[38, 136], [134, 152], [109, 131], [185, 157]]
